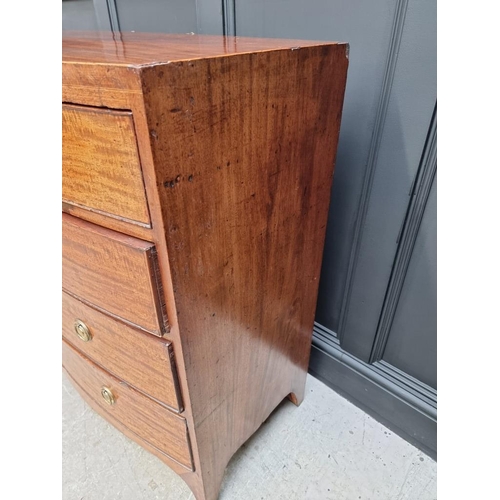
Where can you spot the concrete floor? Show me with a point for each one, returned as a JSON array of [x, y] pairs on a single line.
[[327, 449]]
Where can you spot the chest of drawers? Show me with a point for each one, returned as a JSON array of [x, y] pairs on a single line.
[[196, 182]]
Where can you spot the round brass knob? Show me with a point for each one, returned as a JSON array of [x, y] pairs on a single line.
[[82, 330], [108, 396]]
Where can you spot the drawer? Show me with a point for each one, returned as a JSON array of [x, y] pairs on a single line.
[[156, 425], [139, 359], [101, 167], [116, 273]]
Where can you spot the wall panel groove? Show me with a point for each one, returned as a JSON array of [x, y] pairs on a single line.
[[421, 189], [392, 57], [229, 17], [113, 15]]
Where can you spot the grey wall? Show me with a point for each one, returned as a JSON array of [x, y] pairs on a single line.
[[170, 16], [161, 16], [408, 102], [411, 344], [79, 15]]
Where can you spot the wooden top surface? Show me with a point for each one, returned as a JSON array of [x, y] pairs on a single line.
[[144, 49]]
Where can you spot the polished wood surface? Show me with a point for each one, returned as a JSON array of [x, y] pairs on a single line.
[[142, 49], [139, 359], [245, 213], [153, 423], [114, 272], [122, 226], [237, 139], [101, 166], [180, 469]]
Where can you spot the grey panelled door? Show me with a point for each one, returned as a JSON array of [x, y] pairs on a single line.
[[375, 333], [164, 16], [411, 342]]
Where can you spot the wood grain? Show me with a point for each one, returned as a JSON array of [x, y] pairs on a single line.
[[122, 226], [237, 139], [100, 85], [114, 272], [253, 139], [101, 167], [137, 50], [160, 428], [139, 359]]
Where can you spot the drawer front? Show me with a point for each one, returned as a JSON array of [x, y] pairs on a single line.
[[116, 273], [101, 167], [157, 426], [139, 359]]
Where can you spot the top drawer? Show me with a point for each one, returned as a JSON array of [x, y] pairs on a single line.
[[101, 167]]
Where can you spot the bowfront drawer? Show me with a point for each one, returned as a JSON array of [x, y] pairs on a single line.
[[139, 359], [101, 166], [118, 274], [115, 400]]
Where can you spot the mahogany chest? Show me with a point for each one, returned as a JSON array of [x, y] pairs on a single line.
[[196, 182]]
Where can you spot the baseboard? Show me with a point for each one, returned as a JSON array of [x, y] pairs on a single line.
[[399, 402]]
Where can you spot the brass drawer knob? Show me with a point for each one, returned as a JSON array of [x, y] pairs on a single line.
[[82, 330], [108, 396]]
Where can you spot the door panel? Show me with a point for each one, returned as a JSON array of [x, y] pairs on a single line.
[[161, 16], [411, 345], [79, 15], [411, 98]]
